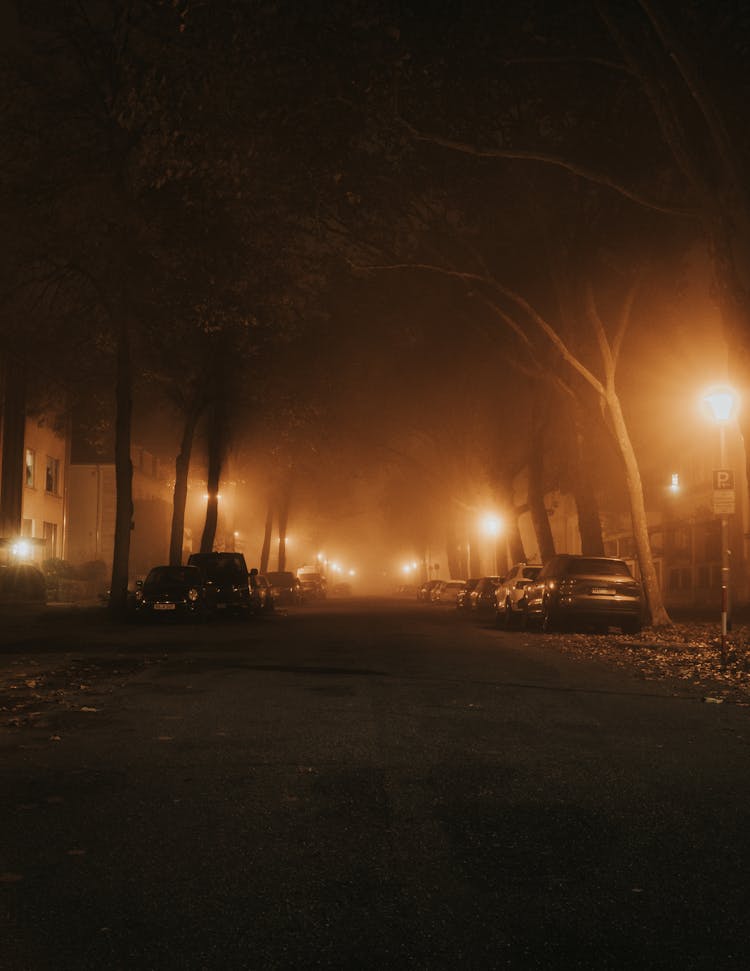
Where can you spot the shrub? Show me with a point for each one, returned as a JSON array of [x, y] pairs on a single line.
[[22, 583]]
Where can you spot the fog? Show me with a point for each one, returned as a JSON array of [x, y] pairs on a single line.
[[404, 274]]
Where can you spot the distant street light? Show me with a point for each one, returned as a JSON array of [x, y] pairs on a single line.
[[722, 403]]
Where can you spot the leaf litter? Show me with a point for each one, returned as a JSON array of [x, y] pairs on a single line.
[[687, 655]]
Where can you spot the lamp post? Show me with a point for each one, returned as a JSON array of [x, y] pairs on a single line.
[[722, 403]]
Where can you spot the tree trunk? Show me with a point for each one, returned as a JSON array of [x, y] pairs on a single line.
[[182, 470], [475, 559], [510, 549], [589, 521], [659, 615], [215, 460], [456, 564], [514, 543], [283, 519], [118, 599], [265, 552], [13, 435], [539, 517]]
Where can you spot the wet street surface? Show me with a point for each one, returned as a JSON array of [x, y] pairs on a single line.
[[360, 784]]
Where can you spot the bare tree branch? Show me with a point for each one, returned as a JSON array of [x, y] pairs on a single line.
[[682, 61], [583, 172], [552, 335]]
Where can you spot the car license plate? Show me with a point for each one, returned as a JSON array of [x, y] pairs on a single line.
[[604, 591], [163, 606]]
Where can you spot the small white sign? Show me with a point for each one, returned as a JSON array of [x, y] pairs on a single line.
[[724, 502]]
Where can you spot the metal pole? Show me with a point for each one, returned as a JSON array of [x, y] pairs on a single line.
[[724, 556]]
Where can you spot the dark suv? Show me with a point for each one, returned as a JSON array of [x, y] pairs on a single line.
[[228, 581], [591, 590]]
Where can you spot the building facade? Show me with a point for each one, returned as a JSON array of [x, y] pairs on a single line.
[[91, 513]]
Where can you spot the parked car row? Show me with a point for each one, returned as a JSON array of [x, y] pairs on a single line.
[[212, 583], [569, 591]]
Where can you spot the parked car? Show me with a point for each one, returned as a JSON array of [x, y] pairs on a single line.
[[341, 589], [406, 590], [482, 602], [262, 594], [587, 590], [463, 601], [510, 595], [313, 586], [227, 580], [447, 591], [172, 591], [424, 590], [285, 587]]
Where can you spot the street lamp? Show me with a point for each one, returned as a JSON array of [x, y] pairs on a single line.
[[491, 527], [722, 403]]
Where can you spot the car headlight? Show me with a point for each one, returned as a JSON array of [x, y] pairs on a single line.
[[192, 594]]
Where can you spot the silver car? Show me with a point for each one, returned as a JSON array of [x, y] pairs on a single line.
[[511, 594], [587, 590], [447, 592]]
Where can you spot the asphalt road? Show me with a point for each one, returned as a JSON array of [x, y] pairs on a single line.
[[367, 784]]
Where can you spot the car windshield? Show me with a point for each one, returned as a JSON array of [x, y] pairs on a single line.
[[310, 578], [613, 568], [280, 579], [174, 574], [530, 572], [219, 564]]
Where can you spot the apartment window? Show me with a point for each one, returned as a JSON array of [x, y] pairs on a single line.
[[49, 533], [52, 479], [30, 457]]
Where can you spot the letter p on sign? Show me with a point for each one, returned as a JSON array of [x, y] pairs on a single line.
[[723, 479]]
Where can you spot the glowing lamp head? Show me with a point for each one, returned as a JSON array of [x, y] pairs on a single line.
[[491, 525], [21, 549], [721, 403]]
